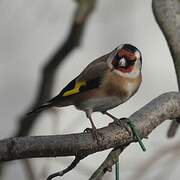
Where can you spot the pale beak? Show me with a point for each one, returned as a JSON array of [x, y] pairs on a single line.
[[122, 62]]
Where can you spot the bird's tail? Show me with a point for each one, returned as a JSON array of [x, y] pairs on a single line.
[[40, 108], [56, 101]]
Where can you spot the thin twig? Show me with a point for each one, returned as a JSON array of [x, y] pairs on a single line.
[[64, 171], [111, 159]]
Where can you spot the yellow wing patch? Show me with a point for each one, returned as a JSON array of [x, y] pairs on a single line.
[[76, 88]]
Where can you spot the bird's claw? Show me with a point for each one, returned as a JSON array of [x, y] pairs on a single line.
[[122, 122], [97, 136]]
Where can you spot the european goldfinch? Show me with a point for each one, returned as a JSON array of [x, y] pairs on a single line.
[[105, 83]]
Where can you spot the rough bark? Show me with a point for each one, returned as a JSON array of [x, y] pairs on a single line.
[[167, 15], [166, 106]]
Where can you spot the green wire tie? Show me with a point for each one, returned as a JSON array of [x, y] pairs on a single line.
[[117, 169], [136, 133]]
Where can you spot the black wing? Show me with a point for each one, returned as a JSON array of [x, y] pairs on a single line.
[[89, 79], [76, 87]]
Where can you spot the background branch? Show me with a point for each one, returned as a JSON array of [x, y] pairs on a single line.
[[168, 17], [28, 168], [73, 40], [82, 144], [66, 170], [84, 9]]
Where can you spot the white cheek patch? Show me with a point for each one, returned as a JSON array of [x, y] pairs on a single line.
[[137, 54], [109, 62], [110, 59], [112, 55]]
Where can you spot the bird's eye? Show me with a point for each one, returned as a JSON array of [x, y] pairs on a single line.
[[115, 63], [131, 62]]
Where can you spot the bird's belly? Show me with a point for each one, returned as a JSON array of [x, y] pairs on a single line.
[[101, 104]]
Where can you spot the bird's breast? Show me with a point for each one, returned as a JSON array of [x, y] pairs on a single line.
[[102, 103], [122, 87], [114, 90]]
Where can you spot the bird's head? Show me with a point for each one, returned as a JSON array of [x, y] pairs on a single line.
[[126, 60]]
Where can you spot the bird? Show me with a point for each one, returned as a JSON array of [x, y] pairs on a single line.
[[104, 84]]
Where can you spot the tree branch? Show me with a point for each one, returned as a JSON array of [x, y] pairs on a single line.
[[168, 17], [82, 144]]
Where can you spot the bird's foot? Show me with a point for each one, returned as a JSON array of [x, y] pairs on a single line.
[[122, 122], [129, 126], [136, 134], [97, 136], [127, 123]]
